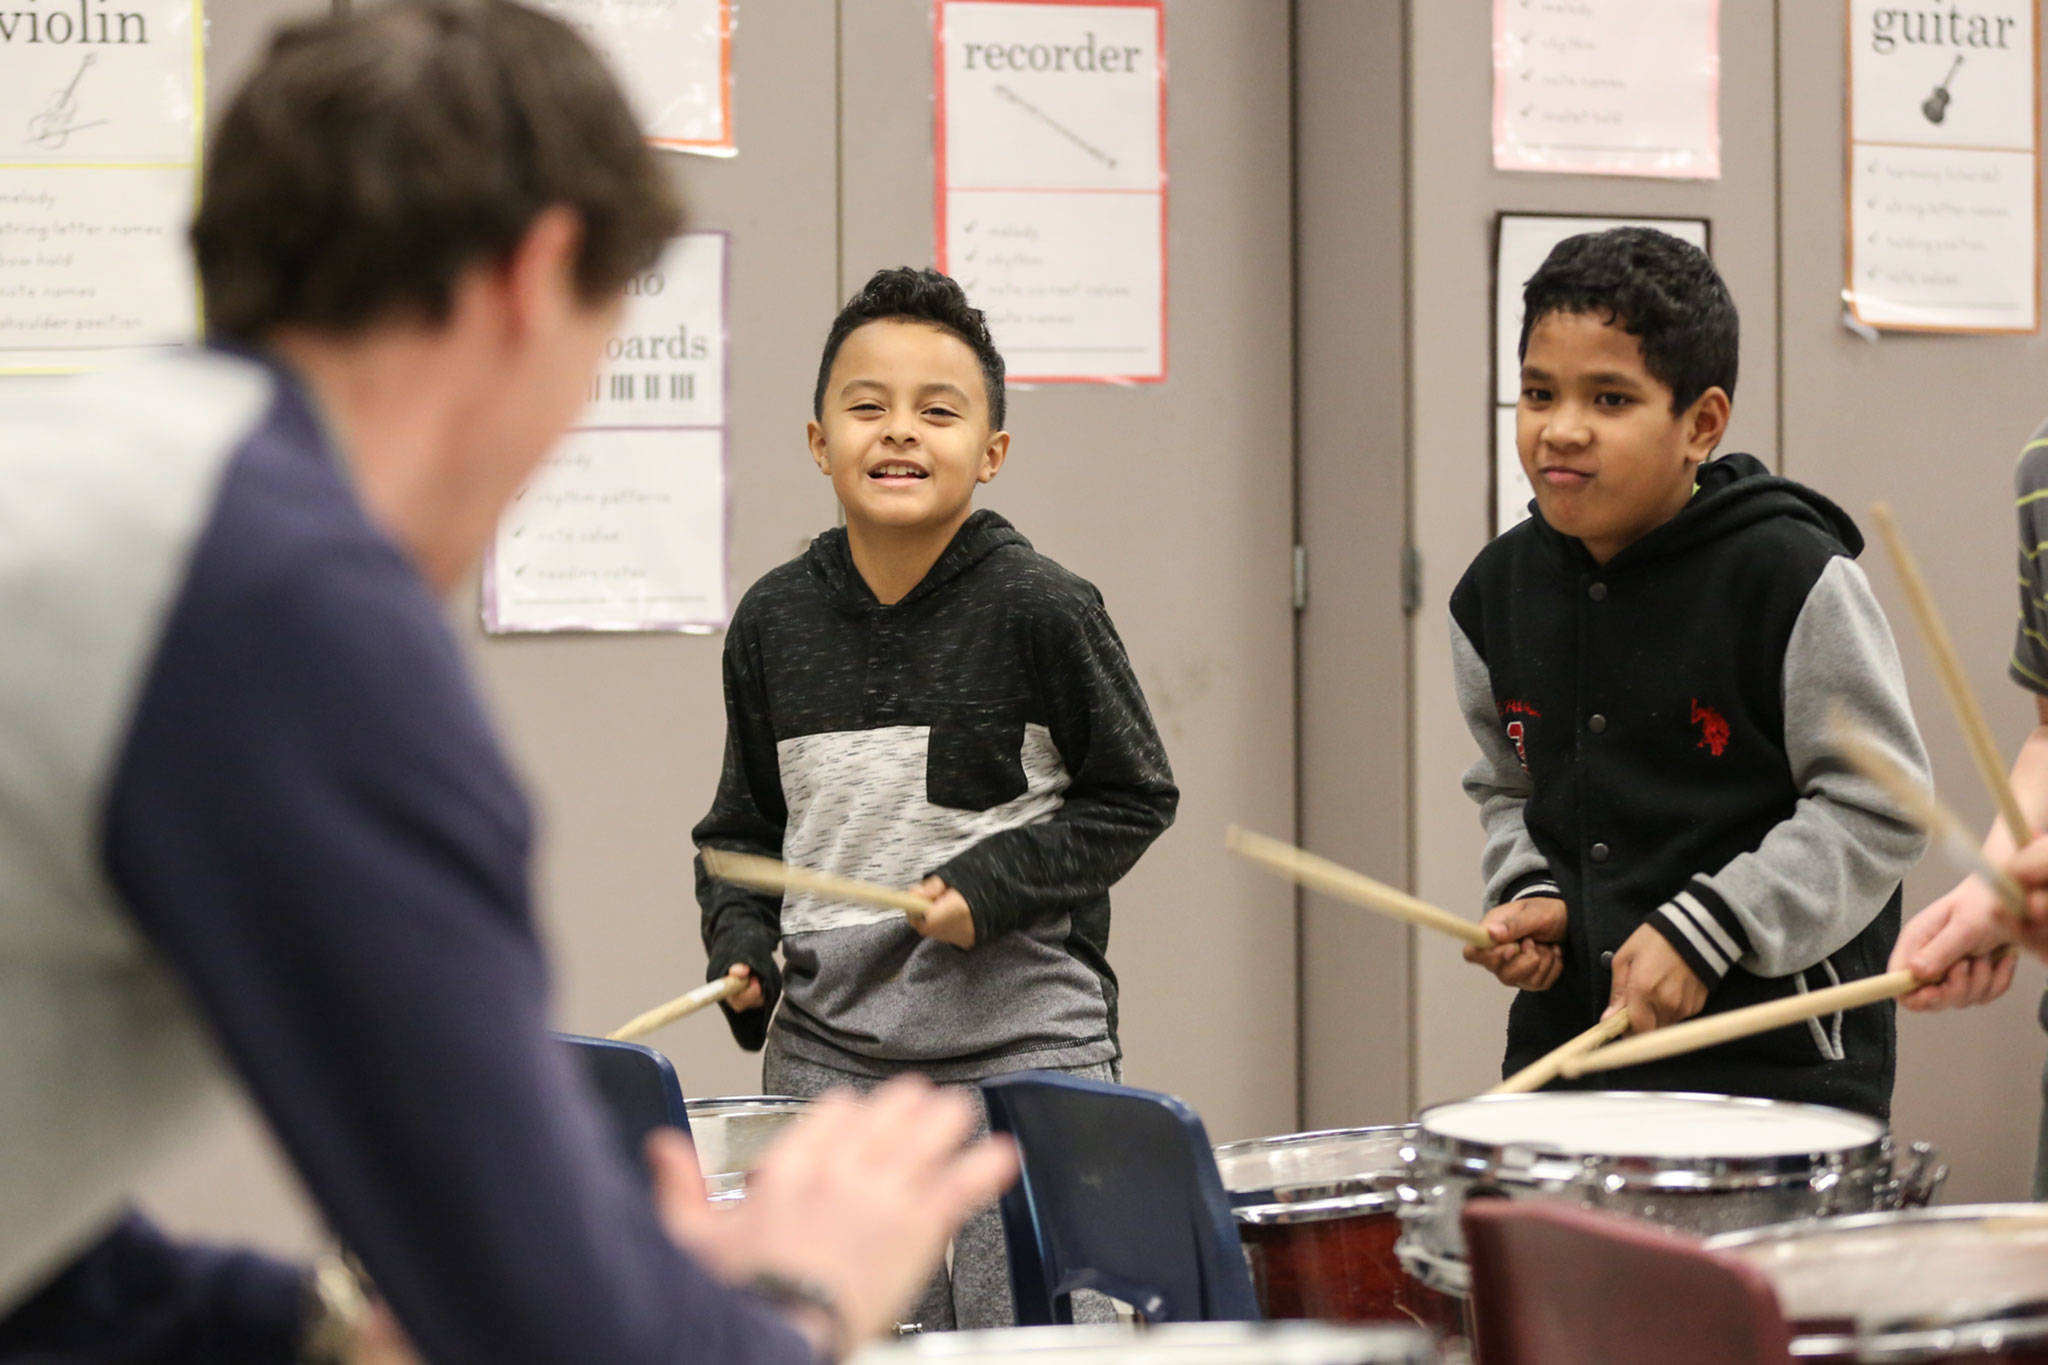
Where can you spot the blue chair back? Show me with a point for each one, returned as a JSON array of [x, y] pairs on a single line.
[[1119, 1194], [637, 1086]]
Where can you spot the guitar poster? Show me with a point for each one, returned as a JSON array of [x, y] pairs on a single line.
[[1943, 161], [674, 58], [1051, 197], [100, 129], [1608, 87], [623, 528]]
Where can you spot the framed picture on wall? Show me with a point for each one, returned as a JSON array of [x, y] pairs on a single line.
[[1520, 243]]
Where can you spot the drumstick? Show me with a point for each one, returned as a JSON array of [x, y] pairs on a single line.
[[1923, 807], [1969, 714], [766, 874], [661, 1016], [1722, 1028], [1547, 1068], [1334, 879]]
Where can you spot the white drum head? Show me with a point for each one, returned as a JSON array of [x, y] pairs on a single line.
[[1629, 1124]]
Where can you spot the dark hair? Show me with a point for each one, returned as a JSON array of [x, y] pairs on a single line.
[[376, 155], [912, 295], [1661, 291]]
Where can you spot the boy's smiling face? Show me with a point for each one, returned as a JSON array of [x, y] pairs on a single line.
[[1608, 458], [905, 430]]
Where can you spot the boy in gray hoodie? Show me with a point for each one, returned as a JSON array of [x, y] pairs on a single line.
[[922, 700]]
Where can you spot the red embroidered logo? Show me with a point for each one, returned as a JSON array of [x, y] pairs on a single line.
[[1516, 730], [1713, 728]]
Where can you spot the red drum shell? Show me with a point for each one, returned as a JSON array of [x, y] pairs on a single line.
[[1317, 1214]]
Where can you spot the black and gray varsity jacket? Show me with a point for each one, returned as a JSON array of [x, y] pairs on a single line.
[[1655, 750], [987, 729]]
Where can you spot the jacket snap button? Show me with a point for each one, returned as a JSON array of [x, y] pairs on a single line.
[[1599, 852], [1607, 958], [1598, 725], [1598, 592]]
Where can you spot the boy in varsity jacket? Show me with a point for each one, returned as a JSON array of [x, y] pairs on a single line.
[[1648, 664], [922, 700]]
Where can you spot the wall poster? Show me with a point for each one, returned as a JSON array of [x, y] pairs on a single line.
[[623, 528], [1943, 163], [100, 132], [1608, 87], [674, 58], [1051, 196]]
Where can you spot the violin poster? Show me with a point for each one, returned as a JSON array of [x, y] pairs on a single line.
[[99, 163], [1943, 160], [1050, 145]]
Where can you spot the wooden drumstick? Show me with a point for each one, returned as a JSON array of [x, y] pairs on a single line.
[[1724, 1028], [1550, 1065], [1923, 807], [1334, 879], [1949, 668], [766, 874], [661, 1016]]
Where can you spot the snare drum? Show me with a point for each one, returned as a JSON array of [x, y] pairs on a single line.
[[1703, 1164], [1965, 1284], [1188, 1343], [731, 1133], [1319, 1215]]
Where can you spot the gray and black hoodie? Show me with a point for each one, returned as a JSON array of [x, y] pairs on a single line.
[[1655, 743], [986, 729]]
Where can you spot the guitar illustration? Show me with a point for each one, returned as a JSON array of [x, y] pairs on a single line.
[[1935, 106], [53, 128]]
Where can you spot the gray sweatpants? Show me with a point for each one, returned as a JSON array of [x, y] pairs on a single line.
[[976, 1294]]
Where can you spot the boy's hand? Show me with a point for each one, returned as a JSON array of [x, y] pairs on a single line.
[[1652, 982], [1526, 932], [949, 920], [750, 998], [2029, 867]]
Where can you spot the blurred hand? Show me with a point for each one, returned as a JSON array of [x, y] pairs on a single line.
[[751, 998], [949, 920], [1653, 983], [1950, 945], [856, 1197], [2029, 867], [379, 1340], [1526, 933]]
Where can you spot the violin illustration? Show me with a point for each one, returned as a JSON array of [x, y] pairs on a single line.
[[1935, 106], [52, 128]]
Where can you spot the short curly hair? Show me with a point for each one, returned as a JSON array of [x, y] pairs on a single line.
[[376, 155], [908, 294], [1662, 291]]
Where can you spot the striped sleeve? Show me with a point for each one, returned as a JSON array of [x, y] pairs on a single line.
[[2029, 665]]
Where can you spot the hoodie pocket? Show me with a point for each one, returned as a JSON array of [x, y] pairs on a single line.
[[976, 756]]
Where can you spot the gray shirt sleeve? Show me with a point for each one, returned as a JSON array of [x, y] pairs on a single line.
[[2029, 665], [1819, 876], [1511, 863]]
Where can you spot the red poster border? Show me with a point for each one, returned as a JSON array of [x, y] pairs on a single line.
[[941, 189]]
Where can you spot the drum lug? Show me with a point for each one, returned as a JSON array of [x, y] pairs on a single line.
[[1915, 1185]]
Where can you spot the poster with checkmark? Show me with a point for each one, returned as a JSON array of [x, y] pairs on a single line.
[[1943, 162], [1050, 145], [623, 528], [99, 170], [1608, 87]]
